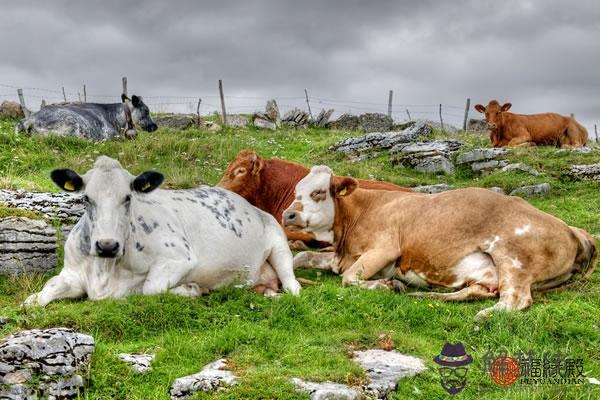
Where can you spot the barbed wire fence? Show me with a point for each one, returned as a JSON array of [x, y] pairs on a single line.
[[205, 104]]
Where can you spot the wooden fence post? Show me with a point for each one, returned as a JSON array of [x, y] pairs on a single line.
[[79, 95], [124, 84], [596, 132], [64, 94], [441, 119], [390, 103], [22, 101], [466, 114], [222, 103], [198, 112], [308, 103], [407, 113], [84, 94]]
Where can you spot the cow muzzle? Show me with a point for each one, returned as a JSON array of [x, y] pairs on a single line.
[[492, 126], [107, 248], [293, 220]]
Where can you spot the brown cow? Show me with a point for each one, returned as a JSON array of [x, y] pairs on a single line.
[[269, 184], [483, 243], [508, 129]]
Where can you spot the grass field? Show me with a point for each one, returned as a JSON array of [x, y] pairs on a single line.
[[269, 341]]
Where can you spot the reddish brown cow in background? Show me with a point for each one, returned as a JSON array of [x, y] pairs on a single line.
[[508, 129], [269, 184]]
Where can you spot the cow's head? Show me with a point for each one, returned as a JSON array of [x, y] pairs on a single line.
[[243, 174], [140, 113], [493, 113], [313, 210], [107, 190]]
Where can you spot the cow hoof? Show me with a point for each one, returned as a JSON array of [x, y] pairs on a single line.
[[130, 133], [31, 301], [297, 245], [293, 288], [398, 286], [270, 293]]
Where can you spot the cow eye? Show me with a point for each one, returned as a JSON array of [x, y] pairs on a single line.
[[239, 171], [127, 199], [318, 195]]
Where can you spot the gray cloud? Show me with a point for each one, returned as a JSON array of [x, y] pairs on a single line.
[[540, 55]]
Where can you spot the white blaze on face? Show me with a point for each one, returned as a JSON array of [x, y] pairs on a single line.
[[314, 194], [522, 230]]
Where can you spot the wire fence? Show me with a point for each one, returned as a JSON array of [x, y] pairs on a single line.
[[449, 114]]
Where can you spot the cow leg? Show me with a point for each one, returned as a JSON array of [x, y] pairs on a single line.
[[367, 265], [163, 277], [313, 259], [471, 292], [521, 139], [283, 263], [267, 283], [190, 289], [62, 286]]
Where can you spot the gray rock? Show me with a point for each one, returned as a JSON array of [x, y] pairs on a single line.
[[237, 120], [327, 390], [64, 206], [346, 122], [3, 320], [140, 363], [582, 150], [27, 246], [436, 147], [431, 189], [587, 171], [322, 119], [434, 165], [375, 122], [477, 125], [296, 118], [521, 167], [385, 369], [534, 190], [175, 121], [44, 363], [363, 156], [264, 124], [481, 155], [488, 166], [497, 189], [11, 109], [212, 377], [427, 157], [438, 126]]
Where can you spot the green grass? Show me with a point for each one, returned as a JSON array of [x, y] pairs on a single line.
[[268, 341]]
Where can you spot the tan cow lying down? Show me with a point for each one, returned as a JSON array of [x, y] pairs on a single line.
[[480, 242], [269, 184], [508, 129]]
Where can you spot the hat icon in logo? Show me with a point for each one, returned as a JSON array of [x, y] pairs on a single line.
[[453, 371]]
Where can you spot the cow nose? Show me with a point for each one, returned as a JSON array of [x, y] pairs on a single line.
[[107, 248], [290, 216], [152, 128], [491, 126]]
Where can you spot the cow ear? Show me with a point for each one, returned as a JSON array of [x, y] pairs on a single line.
[[480, 108], [147, 181], [343, 186], [506, 107], [124, 98], [257, 164], [67, 179], [136, 100]]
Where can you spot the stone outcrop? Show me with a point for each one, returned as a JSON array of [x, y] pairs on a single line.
[[213, 377], [477, 126], [295, 118], [270, 119], [64, 206], [175, 121], [484, 160], [375, 122], [26, 246], [237, 120], [140, 363], [345, 122], [322, 120], [11, 109], [427, 157], [533, 190], [327, 390], [585, 171], [44, 364]]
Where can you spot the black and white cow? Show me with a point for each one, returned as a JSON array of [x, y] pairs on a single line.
[[135, 239], [90, 121]]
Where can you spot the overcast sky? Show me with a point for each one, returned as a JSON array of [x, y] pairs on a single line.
[[539, 55]]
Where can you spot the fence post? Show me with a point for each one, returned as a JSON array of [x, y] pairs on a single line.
[[124, 83], [64, 94], [79, 95], [84, 94], [43, 103], [308, 103], [466, 114], [441, 119], [22, 101], [222, 103], [407, 113], [198, 112], [596, 132], [390, 103]]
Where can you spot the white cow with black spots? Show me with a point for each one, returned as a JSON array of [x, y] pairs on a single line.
[[135, 239]]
